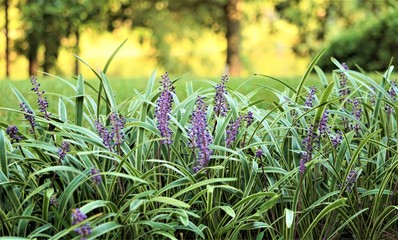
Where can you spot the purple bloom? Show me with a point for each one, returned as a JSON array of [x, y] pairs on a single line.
[[232, 131], [96, 179], [308, 143], [221, 104], [393, 94], [200, 137], [249, 118], [344, 90], [356, 112], [372, 96], [65, 147], [117, 128], [54, 200], [350, 180], [42, 101], [29, 115], [78, 217], [310, 97], [104, 134], [12, 131], [163, 109], [323, 124], [259, 153], [336, 140]]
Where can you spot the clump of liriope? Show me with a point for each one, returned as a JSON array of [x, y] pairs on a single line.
[[326, 177]]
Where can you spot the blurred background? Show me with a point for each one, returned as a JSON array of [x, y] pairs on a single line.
[[199, 37]]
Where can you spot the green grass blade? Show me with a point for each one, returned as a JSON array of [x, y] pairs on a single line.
[[336, 204], [79, 100], [307, 73], [63, 115], [109, 92], [3, 155], [108, 63]]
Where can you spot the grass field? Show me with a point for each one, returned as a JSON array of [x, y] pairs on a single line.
[[261, 87]]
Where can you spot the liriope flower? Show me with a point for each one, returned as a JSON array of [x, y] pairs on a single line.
[[163, 109], [200, 137], [221, 104]]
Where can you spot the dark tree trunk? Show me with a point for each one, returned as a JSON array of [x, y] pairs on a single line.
[[233, 14], [32, 54], [6, 5], [77, 50]]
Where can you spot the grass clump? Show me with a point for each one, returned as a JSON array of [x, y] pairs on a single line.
[[320, 163]]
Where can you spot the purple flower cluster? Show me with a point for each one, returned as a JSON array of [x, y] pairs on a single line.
[[356, 112], [12, 131], [29, 115], [104, 134], [310, 97], [308, 143], [393, 94], [117, 128], [78, 217], [232, 131], [114, 136], [249, 118], [350, 180], [200, 137], [323, 124], [259, 153], [221, 104], [344, 90], [42, 101], [65, 148], [97, 178], [163, 109], [54, 200], [337, 138]]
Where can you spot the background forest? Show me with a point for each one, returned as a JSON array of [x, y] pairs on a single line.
[[204, 38]]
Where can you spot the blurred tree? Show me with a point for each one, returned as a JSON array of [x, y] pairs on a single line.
[[316, 19], [183, 17], [7, 45], [47, 22]]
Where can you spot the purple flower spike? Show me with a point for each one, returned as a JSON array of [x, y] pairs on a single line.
[[310, 97], [350, 181], [96, 179], [323, 124], [259, 153], [249, 118], [336, 140], [232, 132], [117, 128], [344, 90], [42, 101], [65, 148], [78, 217], [163, 109], [356, 112], [104, 134], [12, 131], [393, 94], [29, 115], [221, 104], [200, 137], [308, 143]]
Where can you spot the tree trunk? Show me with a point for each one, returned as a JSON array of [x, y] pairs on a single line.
[[6, 6], [234, 15], [32, 54]]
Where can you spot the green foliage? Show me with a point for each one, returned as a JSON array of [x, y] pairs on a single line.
[[370, 46], [254, 189]]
